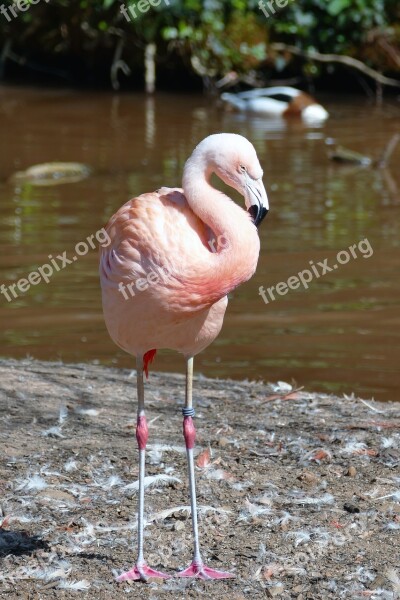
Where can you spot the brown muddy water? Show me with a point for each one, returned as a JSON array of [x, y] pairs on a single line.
[[342, 334]]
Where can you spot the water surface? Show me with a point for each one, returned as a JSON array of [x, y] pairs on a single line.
[[342, 334]]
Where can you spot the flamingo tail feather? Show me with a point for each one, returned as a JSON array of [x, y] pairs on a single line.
[[147, 360]]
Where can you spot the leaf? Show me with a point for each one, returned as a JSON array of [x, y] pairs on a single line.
[[336, 6], [5, 521], [365, 452], [320, 455], [170, 33], [204, 459]]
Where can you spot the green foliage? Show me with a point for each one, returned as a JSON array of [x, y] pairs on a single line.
[[213, 36], [220, 36], [331, 25]]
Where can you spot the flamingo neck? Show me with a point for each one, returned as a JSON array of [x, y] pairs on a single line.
[[234, 254]]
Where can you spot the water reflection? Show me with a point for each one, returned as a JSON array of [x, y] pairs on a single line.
[[341, 334]]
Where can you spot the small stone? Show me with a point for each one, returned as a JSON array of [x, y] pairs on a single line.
[[154, 580], [178, 526], [307, 477], [380, 582], [351, 508], [223, 442], [179, 516], [351, 471], [276, 590]]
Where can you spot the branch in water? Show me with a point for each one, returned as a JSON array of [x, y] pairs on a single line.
[[387, 153], [118, 64]]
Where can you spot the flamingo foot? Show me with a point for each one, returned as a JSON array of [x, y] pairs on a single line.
[[201, 571], [141, 572]]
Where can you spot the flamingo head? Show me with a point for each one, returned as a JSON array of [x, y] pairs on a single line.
[[234, 160]]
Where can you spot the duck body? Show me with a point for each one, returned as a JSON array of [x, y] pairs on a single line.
[[282, 101]]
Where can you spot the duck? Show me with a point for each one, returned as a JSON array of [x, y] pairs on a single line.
[[281, 101]]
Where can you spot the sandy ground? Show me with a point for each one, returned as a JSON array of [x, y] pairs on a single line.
[[299, 493]]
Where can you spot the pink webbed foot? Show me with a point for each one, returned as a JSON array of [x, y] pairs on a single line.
[[200, 571], [141, 573]]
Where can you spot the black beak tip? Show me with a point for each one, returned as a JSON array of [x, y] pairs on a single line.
[[257, 213]]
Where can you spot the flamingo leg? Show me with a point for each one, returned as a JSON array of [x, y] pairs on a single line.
[[197, 568], [141, 571]]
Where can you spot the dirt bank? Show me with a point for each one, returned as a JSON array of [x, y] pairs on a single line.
[[300, 495]]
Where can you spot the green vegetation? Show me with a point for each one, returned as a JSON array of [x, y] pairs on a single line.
[[209, 38]]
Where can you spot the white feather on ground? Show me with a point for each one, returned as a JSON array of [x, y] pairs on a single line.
[[160, 480], [32, 482], [77, 586], [325, 499]]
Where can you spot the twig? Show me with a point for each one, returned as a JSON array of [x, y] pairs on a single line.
[[337, 58], [118, 64], [387, 153], [390, 51], [292, 395], [4, 55], [382, 412], [391, 185]]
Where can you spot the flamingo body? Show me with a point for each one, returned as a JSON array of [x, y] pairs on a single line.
[[169, 313]]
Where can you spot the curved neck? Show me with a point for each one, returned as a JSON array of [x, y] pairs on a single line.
[[234, 252]]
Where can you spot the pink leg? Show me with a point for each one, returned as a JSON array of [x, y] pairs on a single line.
[[197, 567], [141, 571]]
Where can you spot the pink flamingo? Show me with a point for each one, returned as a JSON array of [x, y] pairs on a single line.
[[174, 256]]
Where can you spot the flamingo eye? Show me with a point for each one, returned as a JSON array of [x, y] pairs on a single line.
[[242, 168]]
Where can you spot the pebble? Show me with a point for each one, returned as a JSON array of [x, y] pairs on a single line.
[[351, 508], [275, 590], [351, 471], [307, 477], [178, 526], [179, 516], [380, 582], [154, 580], [223, 442]]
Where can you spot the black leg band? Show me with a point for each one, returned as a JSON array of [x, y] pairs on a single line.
[[188, 412]]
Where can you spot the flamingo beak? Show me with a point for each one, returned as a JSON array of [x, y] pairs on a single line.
[[256, 200]]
